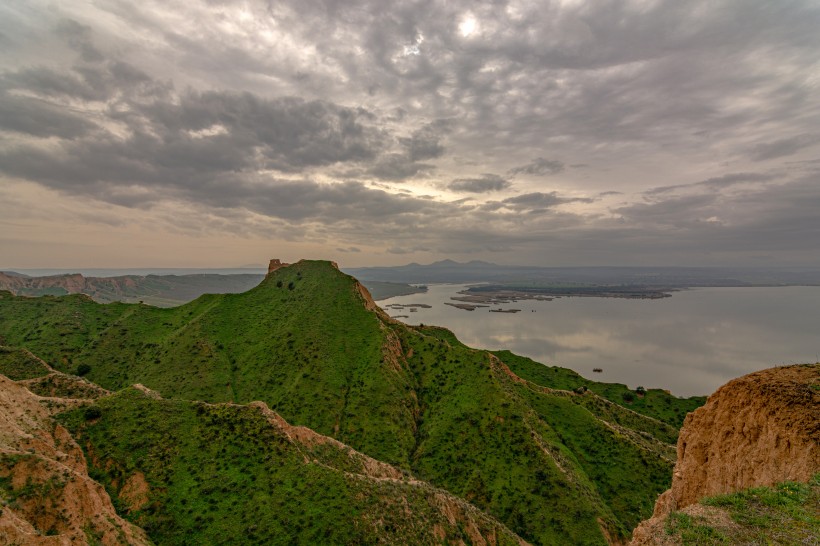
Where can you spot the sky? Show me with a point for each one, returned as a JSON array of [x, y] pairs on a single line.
[[553, 133]]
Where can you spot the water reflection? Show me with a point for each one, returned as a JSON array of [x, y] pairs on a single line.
[[690, 343]]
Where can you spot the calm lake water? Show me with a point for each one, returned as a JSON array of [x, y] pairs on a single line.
[[690, 344]]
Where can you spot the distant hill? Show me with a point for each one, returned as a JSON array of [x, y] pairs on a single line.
[[159, 290], [162, 290], [543, 453]]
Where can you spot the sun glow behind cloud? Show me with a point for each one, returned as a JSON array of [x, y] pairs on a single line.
[[467, 26]]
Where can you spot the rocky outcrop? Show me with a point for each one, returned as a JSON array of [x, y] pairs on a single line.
[[275, 264], [757, 430]]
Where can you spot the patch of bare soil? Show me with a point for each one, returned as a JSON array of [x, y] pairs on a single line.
[[48, 496]]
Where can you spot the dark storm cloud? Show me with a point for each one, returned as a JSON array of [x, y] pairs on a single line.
[[486, 183], [768, 220], [716, 183], [330, 203], [542, 200], [533, 202], [288, 132], [79, 38], [539, 167], [175, 141], [784, 147], [40, 119], [396, 167], [424, 143], [113, 80], [674, 211]]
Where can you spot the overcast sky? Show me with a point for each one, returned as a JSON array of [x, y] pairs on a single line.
[[217, 134]]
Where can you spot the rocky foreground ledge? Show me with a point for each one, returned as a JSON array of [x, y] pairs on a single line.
[[758, 430]]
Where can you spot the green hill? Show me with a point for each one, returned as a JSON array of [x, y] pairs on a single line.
[[198, 473], [553, 465]]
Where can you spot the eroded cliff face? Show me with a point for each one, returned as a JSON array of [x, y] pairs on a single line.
[[757, 430], [48, 497]]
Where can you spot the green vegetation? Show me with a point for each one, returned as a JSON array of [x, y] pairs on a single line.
[[17, 364], [64, 386], [655, 403], [224, 474], [556, 467], [788, 513]]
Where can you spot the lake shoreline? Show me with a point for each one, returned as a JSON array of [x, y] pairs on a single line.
[[689, 344]]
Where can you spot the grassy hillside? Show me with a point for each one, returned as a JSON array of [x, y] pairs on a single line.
[[788, 513], [553, 465], [17, 364], [655, 403], [230, 474]]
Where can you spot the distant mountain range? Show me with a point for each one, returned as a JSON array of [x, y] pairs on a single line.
[[177, 286], [159, 290], [449, 271]]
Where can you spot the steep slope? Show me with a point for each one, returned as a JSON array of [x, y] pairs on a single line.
[[47, 495], [758, 430], [555, 466], [197, 473], [655, 403], [43, 380]]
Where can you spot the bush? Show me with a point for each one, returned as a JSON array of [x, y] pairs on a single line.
[[628, 397], [83, 369], [92, 413]]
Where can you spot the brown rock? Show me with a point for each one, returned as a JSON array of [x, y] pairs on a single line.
[[275, 264], [760, 429], [757, 430], [50, 492]]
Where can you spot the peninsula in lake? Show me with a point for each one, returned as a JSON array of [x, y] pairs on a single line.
[[502, 284]]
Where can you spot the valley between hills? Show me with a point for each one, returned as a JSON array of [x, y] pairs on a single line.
[[298, 412]]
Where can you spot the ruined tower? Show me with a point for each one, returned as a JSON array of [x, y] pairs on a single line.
[[275, 264]]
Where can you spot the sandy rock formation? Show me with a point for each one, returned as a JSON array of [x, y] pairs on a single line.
[[47, 494], [275, 264], [757, 430]]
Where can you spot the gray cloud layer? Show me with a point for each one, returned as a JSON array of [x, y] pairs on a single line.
[[364, 123], [485, 183]]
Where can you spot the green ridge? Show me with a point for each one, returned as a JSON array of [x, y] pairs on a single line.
[[17, 364], [655, 403], [223, 474]]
